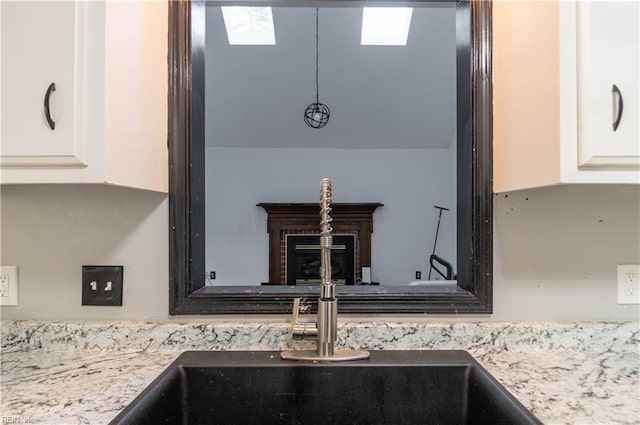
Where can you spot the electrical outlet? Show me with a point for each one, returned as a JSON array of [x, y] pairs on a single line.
[[4, 285], [102, 285], [9, 285], [629, 284], [212, 275], [418, 275]]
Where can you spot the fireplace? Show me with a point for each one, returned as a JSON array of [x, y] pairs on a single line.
[[303, 259], [355, 221]]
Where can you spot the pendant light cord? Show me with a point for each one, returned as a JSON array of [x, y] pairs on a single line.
[[316, 115], [317, 55]]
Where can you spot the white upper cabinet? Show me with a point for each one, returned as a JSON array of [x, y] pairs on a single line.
[[39, 52], [84, 93], [565, 74], [608, 77]]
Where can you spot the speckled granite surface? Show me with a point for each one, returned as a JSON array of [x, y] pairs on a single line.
[[85, 373], [598, 336]]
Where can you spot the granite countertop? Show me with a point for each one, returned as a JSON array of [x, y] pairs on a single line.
[[85, 373]]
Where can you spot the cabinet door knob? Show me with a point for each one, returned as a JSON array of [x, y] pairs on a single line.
[[617, 106], [47, 113]]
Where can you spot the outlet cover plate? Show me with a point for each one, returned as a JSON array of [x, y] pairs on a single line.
[[9, 285], [629, 284], [102, 285]]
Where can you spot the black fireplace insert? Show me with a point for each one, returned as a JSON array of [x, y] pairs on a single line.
[[303, 259]]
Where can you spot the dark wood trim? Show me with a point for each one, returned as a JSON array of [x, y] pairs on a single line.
[[188, 295], [186, 143], [482, 156], [308, 209]]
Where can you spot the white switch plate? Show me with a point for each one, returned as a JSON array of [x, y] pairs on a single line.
[[8, 285], [629, 284]]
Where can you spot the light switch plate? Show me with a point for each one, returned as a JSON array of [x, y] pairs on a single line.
[[9, 285], [102, 285], [629, 284]]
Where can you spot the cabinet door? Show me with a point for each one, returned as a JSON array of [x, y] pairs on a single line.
[[608, 51], [42, 43]]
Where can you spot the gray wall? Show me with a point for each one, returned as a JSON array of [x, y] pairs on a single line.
[[554, 258], [50, 231], [239, 178], [256, 95]]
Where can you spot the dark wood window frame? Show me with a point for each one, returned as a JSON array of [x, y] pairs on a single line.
[[187, 291]]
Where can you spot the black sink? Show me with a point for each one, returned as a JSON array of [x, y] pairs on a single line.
[[392, 387]]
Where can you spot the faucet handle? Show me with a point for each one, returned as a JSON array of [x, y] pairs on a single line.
[[296, 309], [302, 330]]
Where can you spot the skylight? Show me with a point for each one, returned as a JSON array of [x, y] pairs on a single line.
[[249, 25], [386, 26]]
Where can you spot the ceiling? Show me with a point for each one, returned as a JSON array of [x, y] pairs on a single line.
[[379, 96]]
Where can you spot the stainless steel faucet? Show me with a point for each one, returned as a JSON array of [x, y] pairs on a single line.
[[326, 327]]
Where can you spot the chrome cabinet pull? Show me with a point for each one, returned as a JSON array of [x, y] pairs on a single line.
[[47, 112], [617, 106]]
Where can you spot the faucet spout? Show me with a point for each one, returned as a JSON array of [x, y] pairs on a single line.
[[327, 303], [327, 320], [326, 240]]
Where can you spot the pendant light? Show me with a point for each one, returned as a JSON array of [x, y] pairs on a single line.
[[317, 114]]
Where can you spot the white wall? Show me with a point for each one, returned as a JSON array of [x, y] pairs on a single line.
[[407, 181], [136, 87], [553, 257], [556, 251]]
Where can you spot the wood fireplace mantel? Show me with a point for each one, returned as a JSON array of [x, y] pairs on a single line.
[[282, 218]]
